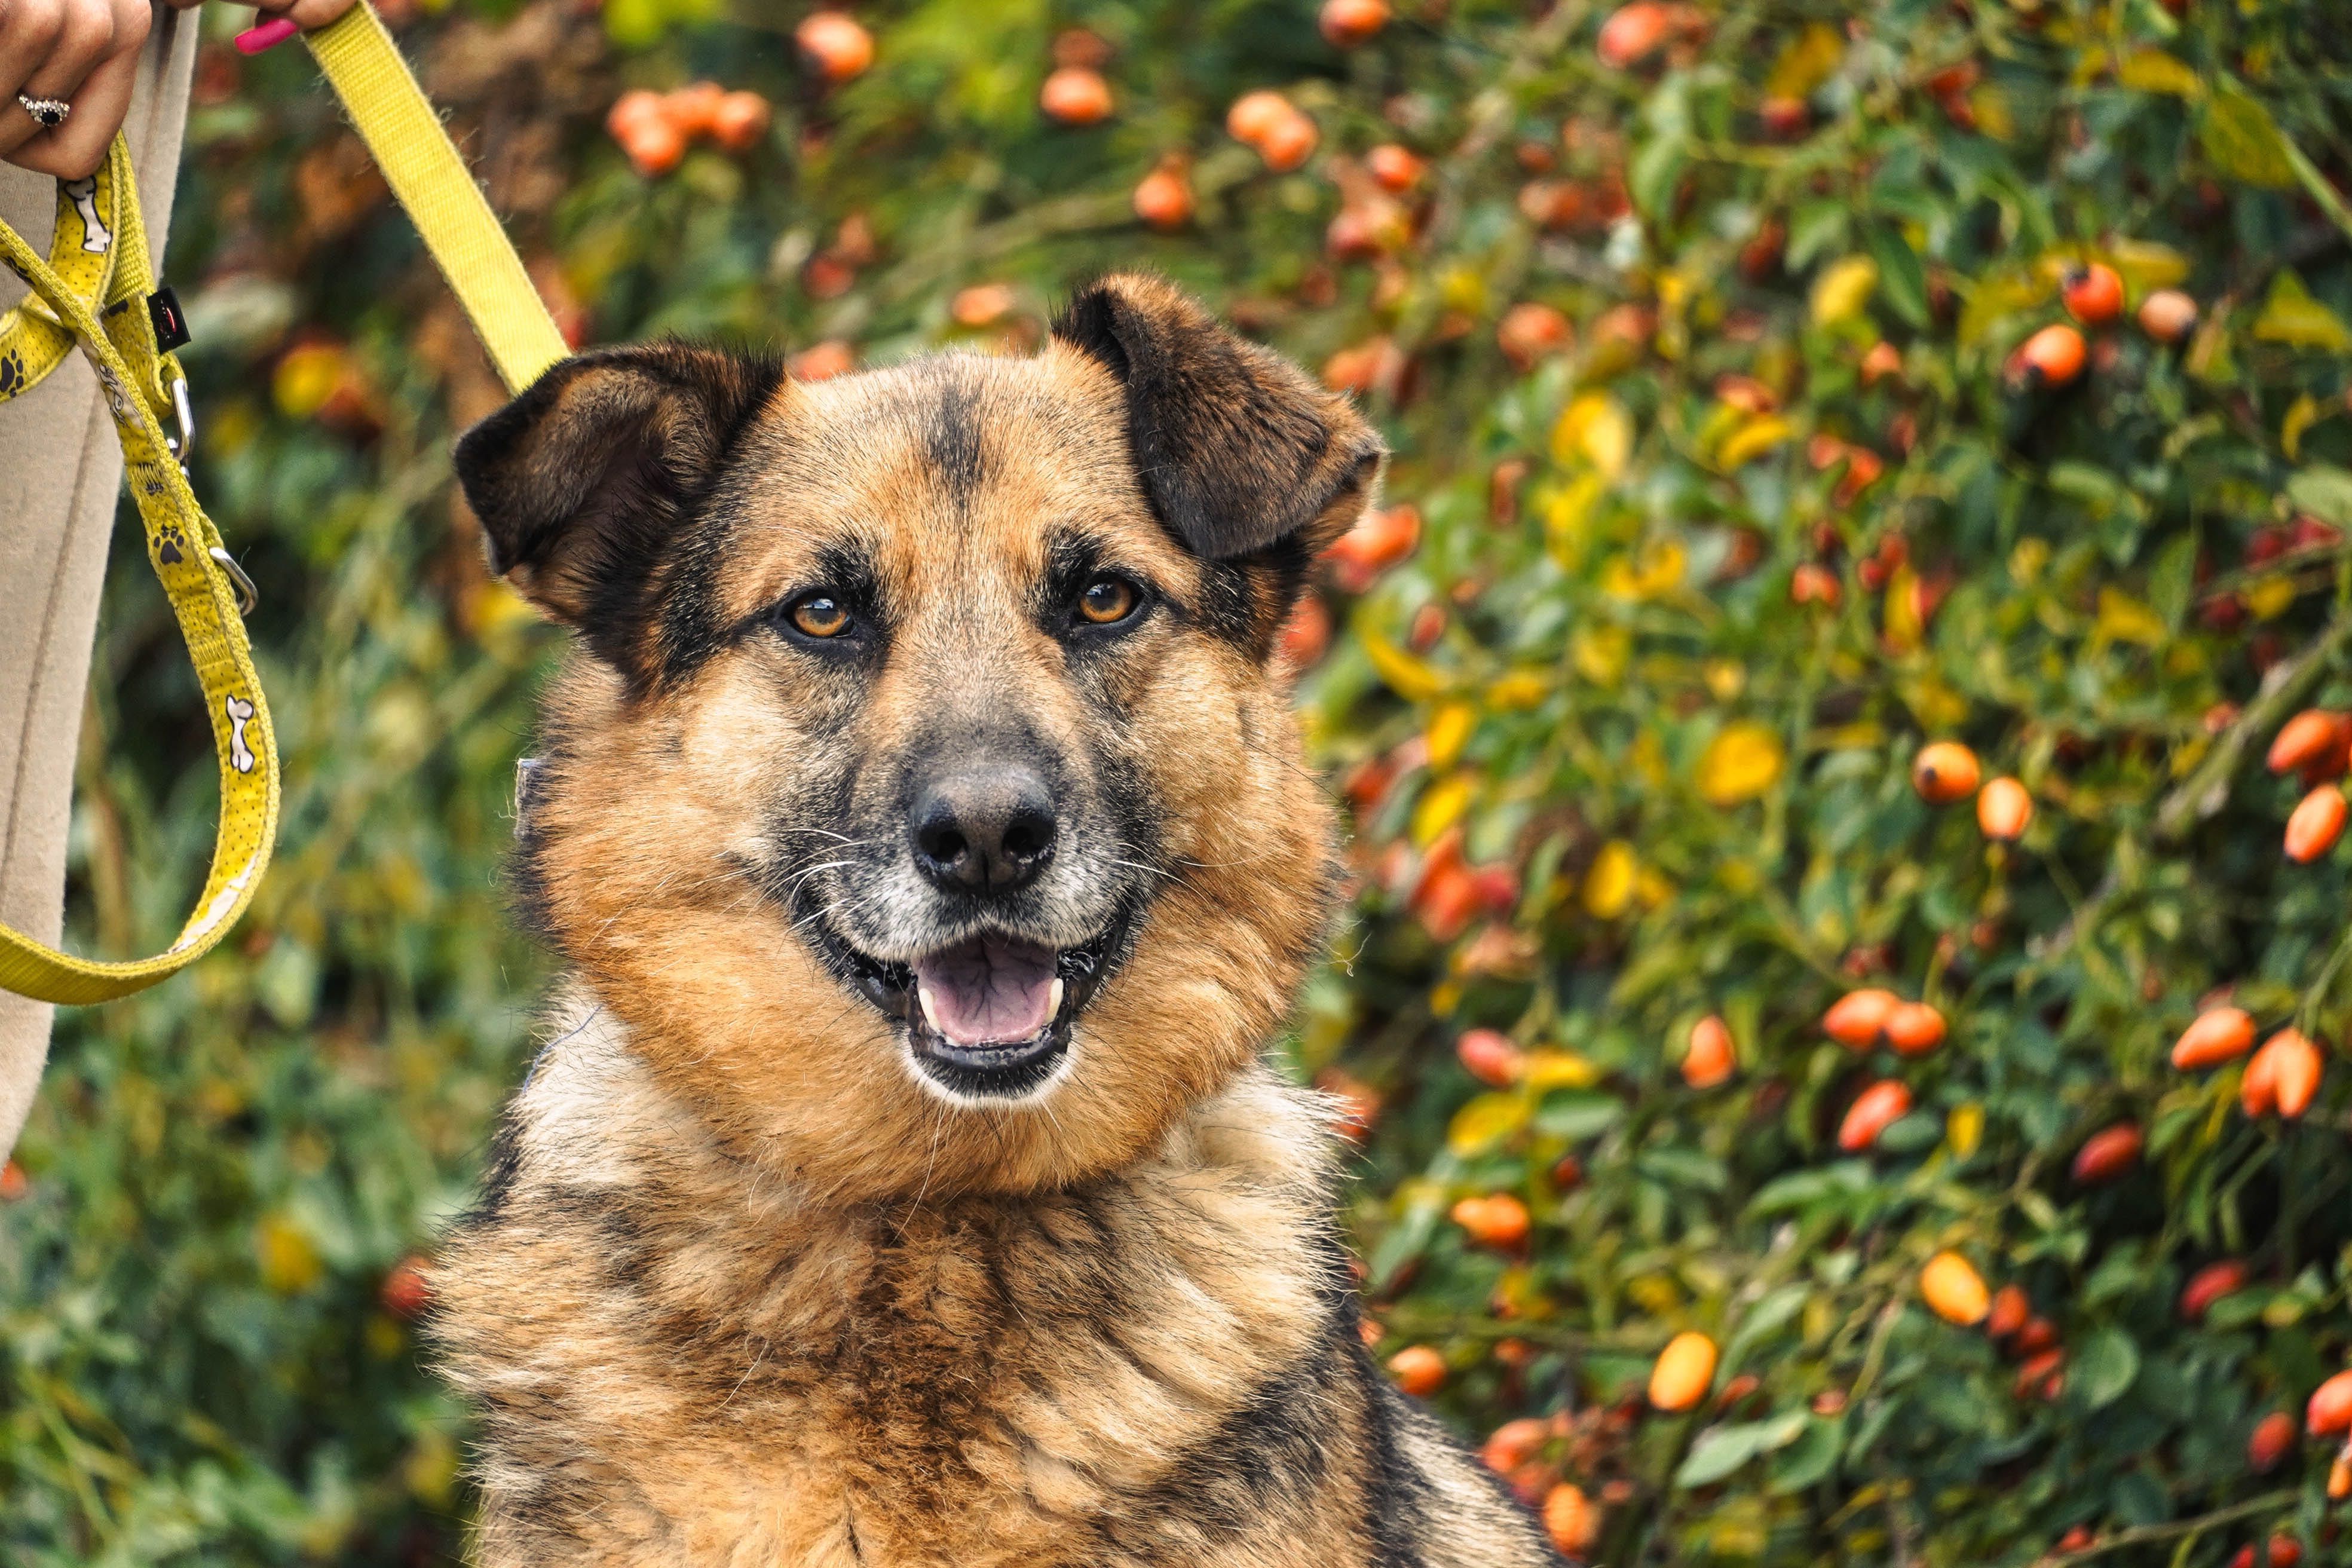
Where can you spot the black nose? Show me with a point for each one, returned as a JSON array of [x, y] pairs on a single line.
[[986, 829]]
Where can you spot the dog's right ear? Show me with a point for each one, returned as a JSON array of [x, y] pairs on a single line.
[[583, 482]]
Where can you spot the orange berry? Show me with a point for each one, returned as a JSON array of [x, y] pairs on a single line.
[[14, 1183], [823, 361], [2209, 1285], [2167, 315], [2291, 1067], [632, 110], [1348, 22], [2008, 1313], [981, 304], [1945, 771], [2052, 357], [2316, 823], [2217, 1035], [1855, 1019], [835, 44], [2273, 1436], [1164, 199], [695, 109], [1306, 635], [1883, 360], [1683, 1372], [653, 146], [1635, 32], [2283, 1550], [1873, 1111], [1513, 1444], [2107, 1153], [2314, 737], [1952, 1288], [1813, 584], [1418, 1370], [1914, 1028], [740, 121], [408, 1290], [2330, 1409], [1393, 169], [1570, 1520], [1530, 332], [1491, 1057], [1255, 113], [1380, 538], [1709, 1060], [2092, 295], [1785, 118], [2041, 1375], [1075, 96], [1288, 142], [2258, 1087], [2038, 1335], [2339, 1478], [1497, 1221], [2004, 809]]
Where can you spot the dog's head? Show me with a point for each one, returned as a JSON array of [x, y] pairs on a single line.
[[927, 800]]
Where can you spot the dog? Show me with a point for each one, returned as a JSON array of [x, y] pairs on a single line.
[[923, 823]]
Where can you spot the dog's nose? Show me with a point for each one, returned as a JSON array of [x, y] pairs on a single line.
[[983, 830]]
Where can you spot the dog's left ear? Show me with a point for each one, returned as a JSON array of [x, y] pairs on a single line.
[[1237, 449]]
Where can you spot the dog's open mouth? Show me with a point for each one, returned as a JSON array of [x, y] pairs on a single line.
[[988, 1018]]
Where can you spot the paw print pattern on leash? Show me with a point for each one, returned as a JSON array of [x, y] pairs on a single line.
[[239, 713]]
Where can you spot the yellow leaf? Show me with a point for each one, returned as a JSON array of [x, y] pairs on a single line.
[[1651, 886], [1486, 1121], [1596, 429], [1441, 806], [1725, 677], [1964, 1128], [2146, 265], [2267, 599], [1600, 653], [1656, 569], [2292, 316], [1408, 677], [1990, 106], [1808, 61], [1842, 289], [2301, 416], [1449, 731], [1548, 1068], [1519, 690], [1753, 440], [2153, 71], [1566, 515], [1741, 762], [2123, 618], [2243, 142], [289, 1263], [1903, 627], [1609, 881]]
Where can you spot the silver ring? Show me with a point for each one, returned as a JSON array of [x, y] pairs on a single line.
[[47, 112]]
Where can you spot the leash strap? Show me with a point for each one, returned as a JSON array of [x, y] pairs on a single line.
[[398, 123], [91, 293]]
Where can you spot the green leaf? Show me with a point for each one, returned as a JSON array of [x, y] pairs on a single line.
[[1809, 1460], [2323, 490], [1576, 1115], [1650, 177], [1723, 1449], [2104, 1367], [2243, 142], [2290, 315], [1764, 1317], [1901, 279]]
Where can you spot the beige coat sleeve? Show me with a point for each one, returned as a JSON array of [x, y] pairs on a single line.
[[60, 471]]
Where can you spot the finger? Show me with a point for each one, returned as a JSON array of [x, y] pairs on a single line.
[[312, 14], [85, 37], [28, 30], [78, 146]]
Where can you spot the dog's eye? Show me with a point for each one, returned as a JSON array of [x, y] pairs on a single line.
[[818, 614], [1108, 600]]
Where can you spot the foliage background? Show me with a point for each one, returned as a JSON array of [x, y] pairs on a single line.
[[1590, 677]]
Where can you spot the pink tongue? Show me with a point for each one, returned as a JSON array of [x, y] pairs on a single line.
[[987, 991]]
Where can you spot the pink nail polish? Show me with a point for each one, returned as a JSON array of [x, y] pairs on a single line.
[[268, 35]]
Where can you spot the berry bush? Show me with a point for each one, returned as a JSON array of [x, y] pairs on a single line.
[[1841, 722]]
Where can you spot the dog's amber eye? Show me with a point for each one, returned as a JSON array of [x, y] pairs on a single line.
[[1107, 599], [818, 616]]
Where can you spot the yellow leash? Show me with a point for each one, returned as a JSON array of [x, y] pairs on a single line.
[[92, 292]]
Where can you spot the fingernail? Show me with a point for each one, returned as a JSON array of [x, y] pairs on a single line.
[[268, 36]]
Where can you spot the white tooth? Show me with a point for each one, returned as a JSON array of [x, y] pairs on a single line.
[[1054, 1000], [930, 1015]]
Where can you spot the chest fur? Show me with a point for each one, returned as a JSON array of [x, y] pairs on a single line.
[[679, 1363]]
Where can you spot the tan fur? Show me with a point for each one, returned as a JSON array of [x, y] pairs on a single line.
[[742, 1291]]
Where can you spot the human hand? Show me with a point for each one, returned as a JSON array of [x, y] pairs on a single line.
[[82, 56]]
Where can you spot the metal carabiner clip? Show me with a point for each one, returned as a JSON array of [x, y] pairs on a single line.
[[185, 412], [248, 597]]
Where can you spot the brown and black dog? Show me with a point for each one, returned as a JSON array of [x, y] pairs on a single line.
[[925, 829]]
